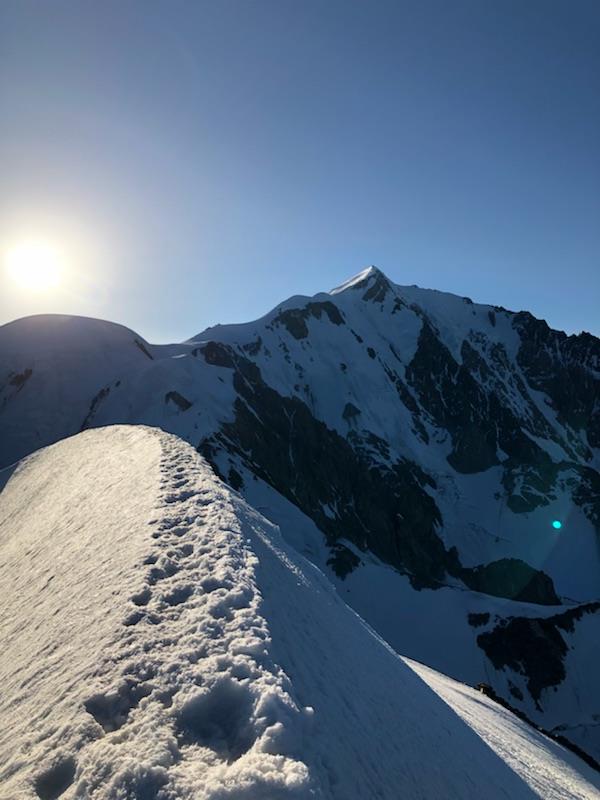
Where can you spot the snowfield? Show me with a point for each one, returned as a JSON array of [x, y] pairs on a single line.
[[160, 640]]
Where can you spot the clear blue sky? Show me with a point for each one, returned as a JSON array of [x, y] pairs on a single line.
[[201, 161]]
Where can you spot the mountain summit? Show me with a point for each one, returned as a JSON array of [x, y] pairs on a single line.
[[365, 277]]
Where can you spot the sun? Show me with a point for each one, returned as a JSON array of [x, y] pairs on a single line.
[[34, 266]]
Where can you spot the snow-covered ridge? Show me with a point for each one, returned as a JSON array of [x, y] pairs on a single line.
[[161, 641], [451, 313]]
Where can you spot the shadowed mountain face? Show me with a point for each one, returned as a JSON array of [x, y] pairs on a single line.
[[414, 430]]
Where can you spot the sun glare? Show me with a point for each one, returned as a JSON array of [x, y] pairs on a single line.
[[35, 266]]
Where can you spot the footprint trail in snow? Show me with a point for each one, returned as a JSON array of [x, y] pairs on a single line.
[[162, 642]]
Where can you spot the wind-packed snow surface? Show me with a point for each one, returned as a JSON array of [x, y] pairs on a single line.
[[161, 641]]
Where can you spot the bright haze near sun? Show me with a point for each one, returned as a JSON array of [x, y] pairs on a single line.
[[35, 266]]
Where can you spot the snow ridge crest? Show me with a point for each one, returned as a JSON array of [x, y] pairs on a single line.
[[361, 278]]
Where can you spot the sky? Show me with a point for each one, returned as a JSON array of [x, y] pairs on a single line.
[[199, 162]]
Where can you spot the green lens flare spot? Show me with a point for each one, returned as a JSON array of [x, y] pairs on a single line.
[[557, 524]]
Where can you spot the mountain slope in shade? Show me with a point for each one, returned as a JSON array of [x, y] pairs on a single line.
[[414, 445], [162, 641], [68, 361]]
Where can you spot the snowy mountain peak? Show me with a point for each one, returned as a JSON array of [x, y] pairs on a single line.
[[364, 277]]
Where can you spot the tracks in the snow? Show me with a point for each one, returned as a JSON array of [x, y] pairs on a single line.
[[187, 692], [192, 651]]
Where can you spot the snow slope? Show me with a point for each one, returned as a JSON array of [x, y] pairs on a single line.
[[161, 641], [53, 368], [440, 627], [537, 757]]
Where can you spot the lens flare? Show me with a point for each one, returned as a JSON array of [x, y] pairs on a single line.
[[557, 524]]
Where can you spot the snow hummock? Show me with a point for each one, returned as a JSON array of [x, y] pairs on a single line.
[[52, 368], [161, 641]]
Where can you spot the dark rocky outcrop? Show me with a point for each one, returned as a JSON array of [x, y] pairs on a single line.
[[96, 400], [294, 319], [477, 620], [141, 346], [19, 379], [475, 402], [384, 509], [343, 560], [182, 403], [566, 369], [450, 394], [533, 646], [215, 354], [514, 579], [16, 381], [350, 412]]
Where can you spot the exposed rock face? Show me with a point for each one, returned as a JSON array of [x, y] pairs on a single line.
[[567, 369], [294, 319], [514, 579], [179, 400], [534, 646], [451, 394], [379, 507]]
